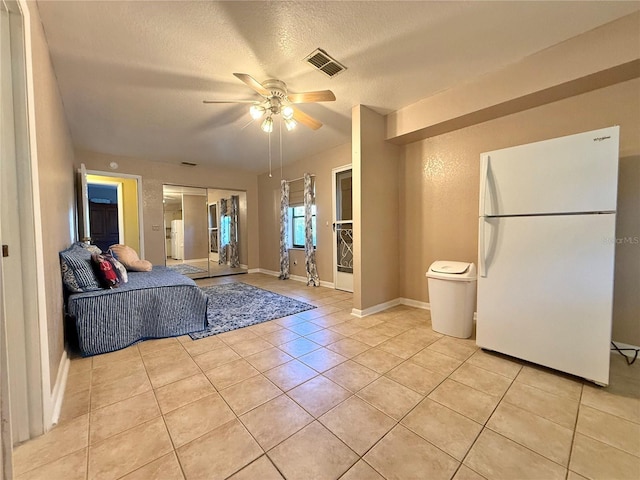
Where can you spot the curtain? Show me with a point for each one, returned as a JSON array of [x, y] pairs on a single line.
[[223, 233], [309, 251], [234, 259], [284, 224]]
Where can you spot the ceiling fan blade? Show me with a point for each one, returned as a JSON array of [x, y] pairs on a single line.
[[306, 120], [253, 83], [231, 101], [309, 97]]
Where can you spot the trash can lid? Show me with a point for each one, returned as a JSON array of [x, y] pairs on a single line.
[[449, 270]]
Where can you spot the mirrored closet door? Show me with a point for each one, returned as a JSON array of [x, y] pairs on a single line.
[[205, 230]]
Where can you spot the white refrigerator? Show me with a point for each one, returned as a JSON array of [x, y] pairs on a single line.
[[177, 240], [546, 252]]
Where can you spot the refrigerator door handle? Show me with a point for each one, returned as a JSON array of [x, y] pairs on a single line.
[[484, 178], [482, 261]]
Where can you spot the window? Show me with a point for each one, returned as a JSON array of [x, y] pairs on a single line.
[[296, 226], [225, 230]]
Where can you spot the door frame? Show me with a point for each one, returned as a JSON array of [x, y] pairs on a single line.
[[334, 173], [118, 186], [6, 441], [41, 399], [138, 180]]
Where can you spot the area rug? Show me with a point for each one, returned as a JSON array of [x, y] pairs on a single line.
[[186, 269], [236, 305]]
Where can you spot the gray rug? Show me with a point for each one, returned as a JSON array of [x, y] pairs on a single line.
[[186, 269], [237, 305]]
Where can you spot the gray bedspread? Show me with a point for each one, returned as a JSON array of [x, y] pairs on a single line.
[[157, 304]]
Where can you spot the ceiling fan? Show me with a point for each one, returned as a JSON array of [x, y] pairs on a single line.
[[278, 101]]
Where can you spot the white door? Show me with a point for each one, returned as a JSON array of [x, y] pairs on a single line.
[[545, 290], [552, 176], [20, 295], [5, 412], [343, 229]]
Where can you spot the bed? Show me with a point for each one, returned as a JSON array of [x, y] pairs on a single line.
[[156, 304]]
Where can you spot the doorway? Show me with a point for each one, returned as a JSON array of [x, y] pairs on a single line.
[[343, 228], [110, 206], [105, 214]]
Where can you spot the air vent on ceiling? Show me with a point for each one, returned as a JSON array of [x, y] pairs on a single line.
[[325, 63], [189, 164]]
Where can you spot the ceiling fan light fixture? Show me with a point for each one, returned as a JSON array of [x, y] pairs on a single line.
[[256, 111], [267, 125], [287, 113], [290, 123]]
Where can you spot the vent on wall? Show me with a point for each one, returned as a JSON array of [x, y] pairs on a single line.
[[324, 62]]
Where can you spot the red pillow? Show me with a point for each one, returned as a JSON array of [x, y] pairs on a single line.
[[105, 272]]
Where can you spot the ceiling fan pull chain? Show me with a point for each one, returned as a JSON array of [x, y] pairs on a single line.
[[281, 149], [270, 155]]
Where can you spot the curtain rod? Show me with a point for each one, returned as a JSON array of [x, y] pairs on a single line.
[[301, 178]]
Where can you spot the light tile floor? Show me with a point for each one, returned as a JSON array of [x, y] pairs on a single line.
[[324, 395]]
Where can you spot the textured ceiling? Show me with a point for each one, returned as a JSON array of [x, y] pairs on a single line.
[[133, 74]]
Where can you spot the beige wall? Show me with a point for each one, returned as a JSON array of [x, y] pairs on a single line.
[[375, 211], [600, 57], [439, 180], [626, 304], [155, 174], [269, 190], [56, 177]]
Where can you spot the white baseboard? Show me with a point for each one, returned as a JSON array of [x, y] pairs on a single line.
[[253, 270], [409, 302], [267, 272], [58, 389], [297, 278], [246, 267], [375, 309]]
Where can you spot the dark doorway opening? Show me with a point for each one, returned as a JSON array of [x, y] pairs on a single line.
[[103, 215]]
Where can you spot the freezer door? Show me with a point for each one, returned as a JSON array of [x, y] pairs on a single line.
[[577, 173], [546, 290]]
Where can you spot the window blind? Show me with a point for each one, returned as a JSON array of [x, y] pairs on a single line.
[[296, 193]]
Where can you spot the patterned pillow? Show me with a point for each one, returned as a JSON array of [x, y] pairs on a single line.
[[77, 272], [92, 248], [105, 271], [129, 258], [121, 271]]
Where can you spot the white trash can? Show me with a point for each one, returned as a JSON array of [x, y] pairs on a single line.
[[452, 295]]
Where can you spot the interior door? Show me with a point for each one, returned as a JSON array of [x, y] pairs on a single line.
[[343, 229], [19, 296], [6, 440], [104, 224], [12, 294]]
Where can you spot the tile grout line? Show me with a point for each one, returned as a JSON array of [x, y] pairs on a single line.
[[484, 425], [575, 431], [501, 400]]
